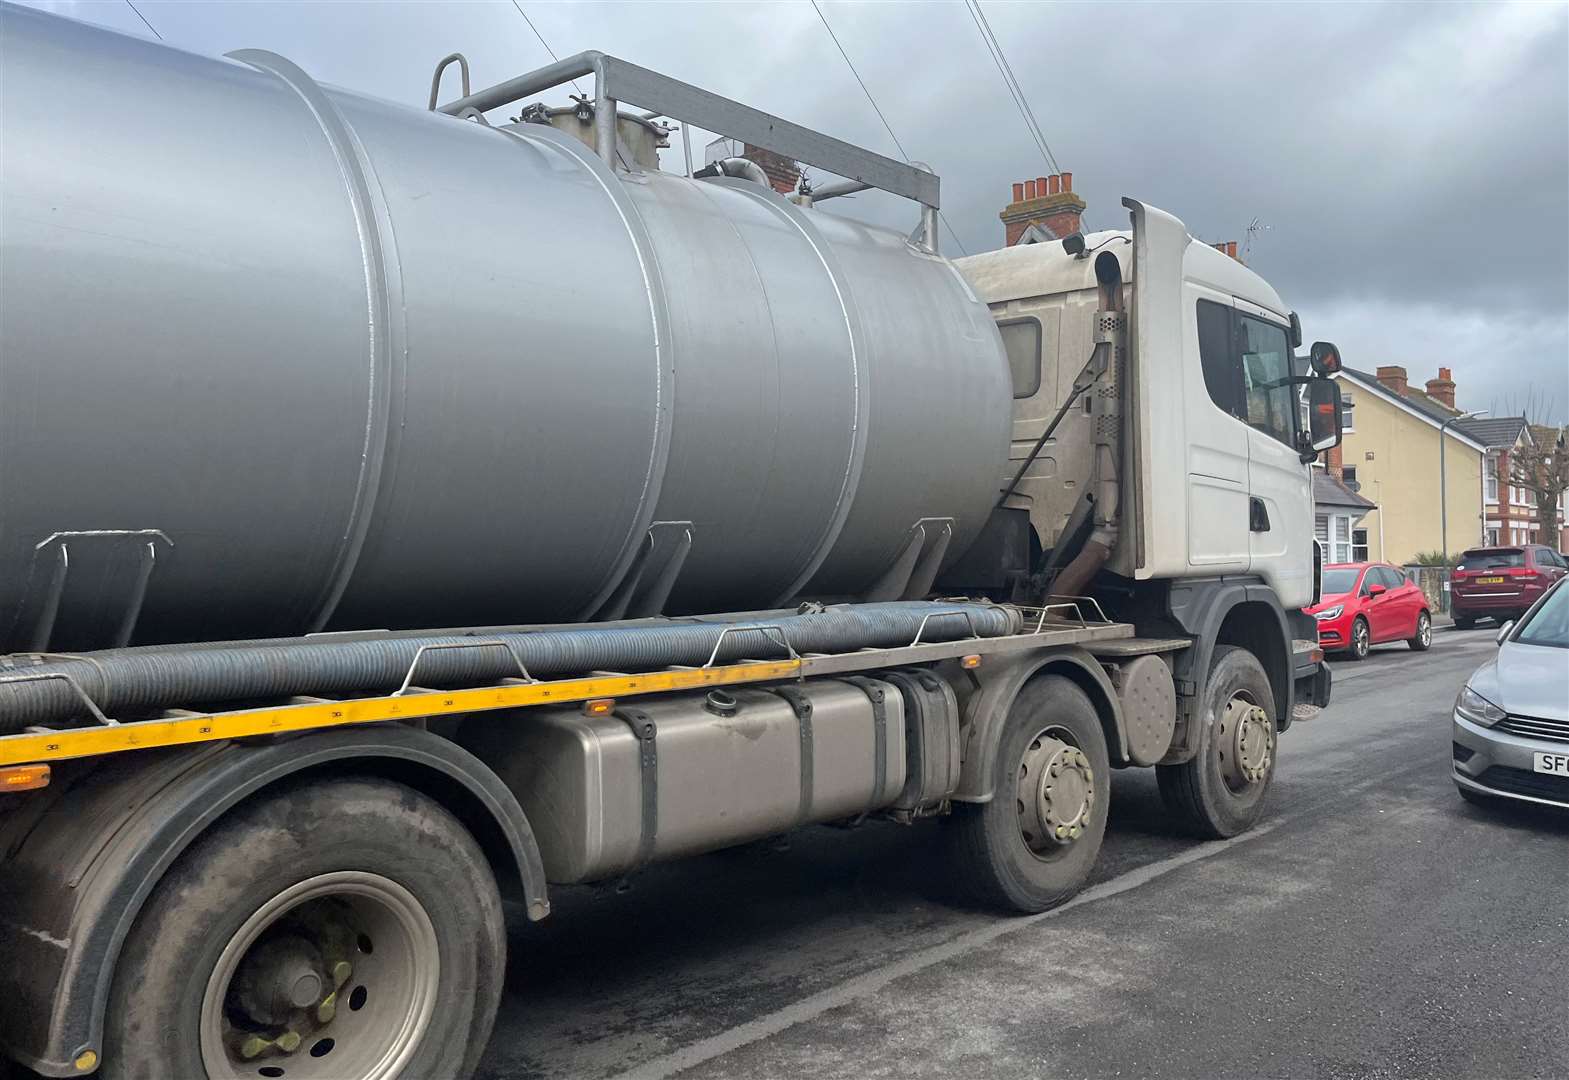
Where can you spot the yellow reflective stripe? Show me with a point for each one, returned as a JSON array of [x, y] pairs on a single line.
[[148, 734]]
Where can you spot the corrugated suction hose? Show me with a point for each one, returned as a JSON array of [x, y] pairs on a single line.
[[167, 676]]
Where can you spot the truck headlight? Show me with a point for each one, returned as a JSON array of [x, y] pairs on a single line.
[[1474, 707], [1329, 613]]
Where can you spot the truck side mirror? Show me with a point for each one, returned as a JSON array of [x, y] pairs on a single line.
[[1323, 416], [1325, 359]]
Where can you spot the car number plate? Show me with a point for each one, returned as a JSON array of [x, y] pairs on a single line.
[[1552, 764], [1489, 581]]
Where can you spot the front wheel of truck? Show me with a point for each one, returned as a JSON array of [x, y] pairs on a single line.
[[346, 928], [1220, 792], [1034, 844]]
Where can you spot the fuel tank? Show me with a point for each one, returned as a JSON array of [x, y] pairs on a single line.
[[277, 357]]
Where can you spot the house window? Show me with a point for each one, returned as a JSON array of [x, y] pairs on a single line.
[[1492, 537], [1490, 478], [1359, 545], [1334, 533], [1348, 476], [1347, 407]]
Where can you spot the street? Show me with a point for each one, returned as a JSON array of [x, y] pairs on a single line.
[[1374, 925]]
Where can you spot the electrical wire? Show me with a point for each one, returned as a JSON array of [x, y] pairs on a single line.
[[873, 102], [1005, 69], [537, 34], [142, 17]]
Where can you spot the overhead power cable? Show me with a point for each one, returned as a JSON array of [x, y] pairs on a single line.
[[142, 17], [1005, 69], [542, 41], [873, 102]]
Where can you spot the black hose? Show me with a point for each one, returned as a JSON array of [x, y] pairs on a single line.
[[168, 676]]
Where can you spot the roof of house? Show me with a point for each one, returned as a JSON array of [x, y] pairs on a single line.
[[1494, 431], [1547, 435], [1416, 402], [1329, 491]]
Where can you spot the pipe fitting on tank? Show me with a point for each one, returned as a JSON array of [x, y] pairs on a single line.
[[738, 167]]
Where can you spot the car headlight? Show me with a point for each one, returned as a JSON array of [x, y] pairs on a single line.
[[1474, 707], [1330, 612]]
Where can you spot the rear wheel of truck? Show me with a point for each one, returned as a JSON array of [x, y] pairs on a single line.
[[342, 928], [1034, 844], [1220, 792]]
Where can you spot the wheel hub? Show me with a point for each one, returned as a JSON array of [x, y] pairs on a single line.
[[1246, 743], [334, 977], [1055, 795]]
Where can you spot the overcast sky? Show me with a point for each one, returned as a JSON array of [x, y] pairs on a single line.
[[1410, 162]]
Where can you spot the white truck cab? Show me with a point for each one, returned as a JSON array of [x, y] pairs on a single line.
[[1214, 460]]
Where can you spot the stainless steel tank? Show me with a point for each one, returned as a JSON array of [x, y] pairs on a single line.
[[277, 357]]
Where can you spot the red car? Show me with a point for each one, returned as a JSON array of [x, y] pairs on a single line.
[[1366, 604], [1501, 582]]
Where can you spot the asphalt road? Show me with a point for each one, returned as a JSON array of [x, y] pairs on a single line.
[[1372, 926]]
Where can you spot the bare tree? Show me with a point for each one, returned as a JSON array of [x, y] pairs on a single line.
[[1542, 468]]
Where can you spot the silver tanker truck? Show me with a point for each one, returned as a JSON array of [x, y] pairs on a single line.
[[405, 510]]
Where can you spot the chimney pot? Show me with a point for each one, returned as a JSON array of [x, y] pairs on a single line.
[[1067, 181], [1055, 184], [1231, 248], [1445, 373], [1393, 376], [1442, 389], [1029, 189], [1018, 192], [1040, 185]]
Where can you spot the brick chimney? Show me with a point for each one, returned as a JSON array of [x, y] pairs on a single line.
[[1334, 463], [1046, 202], [1393, 376], [1442, 389], [782, 173], [1228, 247]]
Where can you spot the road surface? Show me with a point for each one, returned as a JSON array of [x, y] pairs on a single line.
[[1373, 926]]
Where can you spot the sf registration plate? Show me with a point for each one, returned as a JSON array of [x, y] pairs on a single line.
[[1489, 581], [1552, 764]]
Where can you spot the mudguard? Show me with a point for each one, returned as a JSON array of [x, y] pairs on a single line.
[[78, 861]]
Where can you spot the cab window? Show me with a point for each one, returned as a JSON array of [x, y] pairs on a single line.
[[1021, 339], [1266, 376], [1215, 355]]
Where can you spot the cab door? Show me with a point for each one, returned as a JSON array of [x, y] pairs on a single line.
[[1280, 501], [1217, 444]]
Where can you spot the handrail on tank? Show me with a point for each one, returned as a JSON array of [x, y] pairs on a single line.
[[617, 81]]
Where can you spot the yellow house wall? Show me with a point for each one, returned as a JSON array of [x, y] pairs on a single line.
[[1401, 476]]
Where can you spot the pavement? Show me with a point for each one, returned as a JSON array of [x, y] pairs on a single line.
[[1373, 925]]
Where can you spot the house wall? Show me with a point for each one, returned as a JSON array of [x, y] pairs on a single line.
[[1401, 476]]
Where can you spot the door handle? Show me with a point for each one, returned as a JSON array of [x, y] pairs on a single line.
[[1258, 516]]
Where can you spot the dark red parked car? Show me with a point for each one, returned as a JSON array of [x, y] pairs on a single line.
[[1366, 604], [1501, 582]]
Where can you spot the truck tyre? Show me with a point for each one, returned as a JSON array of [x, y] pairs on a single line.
[[334, 928], [1220, 792], [1034, 844]]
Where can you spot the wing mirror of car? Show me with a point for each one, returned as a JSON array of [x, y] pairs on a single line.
[[1376, 590], [1323, 417], [1503, 631]]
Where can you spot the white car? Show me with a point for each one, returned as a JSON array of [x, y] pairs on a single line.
[[1511, 720]]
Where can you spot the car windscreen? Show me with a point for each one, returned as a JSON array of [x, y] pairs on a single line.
[[1549, 623], [1339, 581], [1495, 559]]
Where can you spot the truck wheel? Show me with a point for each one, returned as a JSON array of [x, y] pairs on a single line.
[[342, 928], [1033, 845], [1220, 792]]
